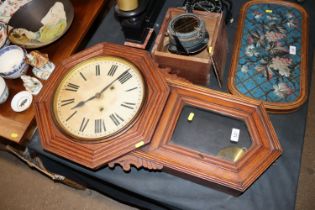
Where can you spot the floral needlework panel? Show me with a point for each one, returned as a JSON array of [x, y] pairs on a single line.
[[270, 54]]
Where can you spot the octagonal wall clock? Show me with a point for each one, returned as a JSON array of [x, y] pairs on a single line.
[[209, 137], [101, 104]]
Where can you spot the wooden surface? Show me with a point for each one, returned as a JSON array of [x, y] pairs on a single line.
[[202, 167], [139, 133], [196, 68], [273, 107], [14, 125]]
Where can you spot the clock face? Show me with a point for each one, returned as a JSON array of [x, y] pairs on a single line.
[[98, 98]]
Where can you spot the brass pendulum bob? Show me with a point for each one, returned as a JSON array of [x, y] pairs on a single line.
[[232, 153]]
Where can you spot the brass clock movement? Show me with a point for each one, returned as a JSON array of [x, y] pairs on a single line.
[[101, 104]]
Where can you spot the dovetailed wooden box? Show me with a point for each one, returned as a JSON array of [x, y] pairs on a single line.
[[195, 68]]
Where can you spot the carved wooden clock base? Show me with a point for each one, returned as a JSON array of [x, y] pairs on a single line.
[[129, 160]]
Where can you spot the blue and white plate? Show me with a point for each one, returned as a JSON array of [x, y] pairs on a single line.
[[21, 101]]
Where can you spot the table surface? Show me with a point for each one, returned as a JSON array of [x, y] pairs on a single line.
[[274, 190], [14, 125]]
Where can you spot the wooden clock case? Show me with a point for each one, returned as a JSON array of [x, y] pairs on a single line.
[[94, 155], [166, 96], [162, 153]]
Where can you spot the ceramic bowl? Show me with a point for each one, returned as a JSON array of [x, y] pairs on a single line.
[[4, 91], [21, 101], [4, 41], [40, 22], [12, 64]]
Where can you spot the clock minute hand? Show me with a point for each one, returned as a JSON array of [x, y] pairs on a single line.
[[120, 76], [81, 103]]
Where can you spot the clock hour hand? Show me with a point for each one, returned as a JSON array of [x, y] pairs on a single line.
[[81, 103]]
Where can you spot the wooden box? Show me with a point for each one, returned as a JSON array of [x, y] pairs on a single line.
[[195, 68]]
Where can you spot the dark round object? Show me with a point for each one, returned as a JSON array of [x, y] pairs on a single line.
[[40, 22], [187, 34], [186, 24]]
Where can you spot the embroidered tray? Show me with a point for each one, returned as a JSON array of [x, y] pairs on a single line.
[[269, 62]]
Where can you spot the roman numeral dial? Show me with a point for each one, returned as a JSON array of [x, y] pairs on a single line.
[[99, 126], [99, 98], [112, 70], [128, 105], [67, 102], [97, 70], [125, 77], [72, 87]]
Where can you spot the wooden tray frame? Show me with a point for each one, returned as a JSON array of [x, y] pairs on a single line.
[[15, 126], [205, 168], [272, 106]]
